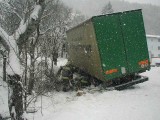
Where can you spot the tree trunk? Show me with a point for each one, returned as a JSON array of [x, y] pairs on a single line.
[[51, 70], [18, 38], [55, 57], [15, 100], [25, 78], [52, 62], [32, 70]]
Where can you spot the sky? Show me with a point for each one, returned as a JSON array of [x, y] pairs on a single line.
[[154, 2], [91, 7], [75, 2]]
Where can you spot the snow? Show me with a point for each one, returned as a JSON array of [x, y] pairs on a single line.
[[140, 102], [14, 64], [21, 29], [155, 60], [60, 62], [35, 12], [3, 34], [23, 25], [153, 36], [3, 97]]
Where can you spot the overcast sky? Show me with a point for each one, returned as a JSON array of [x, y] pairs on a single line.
[[91, 7], [155, 2], [75, 2]]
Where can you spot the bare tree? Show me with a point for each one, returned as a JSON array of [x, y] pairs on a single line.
[[107, 9], [35, 35], [13, 43], [56, 25], [77, 18]]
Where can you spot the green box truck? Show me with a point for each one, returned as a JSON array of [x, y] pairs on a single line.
[[111, 47]]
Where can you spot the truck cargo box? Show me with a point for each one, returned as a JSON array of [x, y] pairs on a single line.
[[110, 46]]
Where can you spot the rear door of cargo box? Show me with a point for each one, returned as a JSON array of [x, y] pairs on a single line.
[[134, 40], [111, 47]]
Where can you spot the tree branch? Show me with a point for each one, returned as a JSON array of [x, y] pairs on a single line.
[[31, 24], [21, 35]]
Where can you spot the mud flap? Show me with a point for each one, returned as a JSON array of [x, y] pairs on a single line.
[[131, 83]]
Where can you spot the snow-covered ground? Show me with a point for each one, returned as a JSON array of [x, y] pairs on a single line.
[[3, 96], [141, 102]]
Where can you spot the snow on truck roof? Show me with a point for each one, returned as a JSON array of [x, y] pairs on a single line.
[[153, 36]]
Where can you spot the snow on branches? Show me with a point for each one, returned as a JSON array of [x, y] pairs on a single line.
[[35, 12], [10, 42]]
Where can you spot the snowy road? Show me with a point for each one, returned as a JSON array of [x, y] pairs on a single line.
[[141, 102]]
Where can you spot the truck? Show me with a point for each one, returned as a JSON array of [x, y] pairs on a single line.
[[111, 48]]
